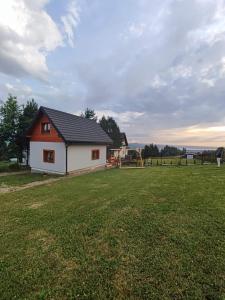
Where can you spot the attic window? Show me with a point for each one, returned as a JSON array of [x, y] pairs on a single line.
[[49, 156], [45, 127], [95, 154]]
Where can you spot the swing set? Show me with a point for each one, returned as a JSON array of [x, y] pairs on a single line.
[[130, 162]]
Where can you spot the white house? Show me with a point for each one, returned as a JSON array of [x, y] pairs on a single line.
[[62, 143]]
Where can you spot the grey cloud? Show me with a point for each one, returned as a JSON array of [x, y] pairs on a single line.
[[172, 72], [125, 78]]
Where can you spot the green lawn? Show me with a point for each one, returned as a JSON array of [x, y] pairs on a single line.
[[5, 166], [156, 233], [21, 179]]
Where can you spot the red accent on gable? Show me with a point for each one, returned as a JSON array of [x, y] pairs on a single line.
[[37, 136]]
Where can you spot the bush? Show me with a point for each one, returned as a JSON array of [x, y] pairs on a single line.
[[14, 167]]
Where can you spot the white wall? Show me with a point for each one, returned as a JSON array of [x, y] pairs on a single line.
[[79, 157], [36, 157]]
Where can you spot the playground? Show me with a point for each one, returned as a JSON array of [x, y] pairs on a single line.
[[134, 159]]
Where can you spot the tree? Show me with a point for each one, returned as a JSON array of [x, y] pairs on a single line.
[[110, 126], [150, 151], [29, 111], [172, 151], [3, 149], [10, 113], [89, 114], [14, 122]]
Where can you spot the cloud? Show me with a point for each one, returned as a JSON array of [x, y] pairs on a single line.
[[173, 71], [156, 66], [70, 21], [209, 82], [137, 30], [157, 82], [22, 91], [28, 34], [124, 118], [212, 32], [194, 135]]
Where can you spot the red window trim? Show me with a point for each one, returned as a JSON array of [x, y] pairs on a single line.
[[95, 154], [45, 156]]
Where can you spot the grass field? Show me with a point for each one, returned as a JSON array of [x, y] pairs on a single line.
[[156, 233], [5, 166], [21, 179]]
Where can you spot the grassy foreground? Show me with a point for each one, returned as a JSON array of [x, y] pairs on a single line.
[[157, 233], [5, 166]]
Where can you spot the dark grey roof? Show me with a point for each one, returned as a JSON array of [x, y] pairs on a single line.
[[74, 129]]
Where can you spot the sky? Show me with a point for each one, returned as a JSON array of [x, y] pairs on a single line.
[[157, 67]]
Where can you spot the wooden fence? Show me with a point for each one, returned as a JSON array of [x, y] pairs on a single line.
[[180, 161]]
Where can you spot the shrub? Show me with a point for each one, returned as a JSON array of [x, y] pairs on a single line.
[[14, 167]]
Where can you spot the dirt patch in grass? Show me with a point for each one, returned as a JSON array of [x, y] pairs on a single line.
[[120, 283], [48, 182], [46, 240], [5, 189], [36, 205]]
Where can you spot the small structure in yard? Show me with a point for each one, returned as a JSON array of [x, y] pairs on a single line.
[[190, 155], [133, 159], [122, 151], [62, 143]]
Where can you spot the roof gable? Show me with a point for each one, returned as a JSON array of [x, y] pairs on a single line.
[[37, 133]]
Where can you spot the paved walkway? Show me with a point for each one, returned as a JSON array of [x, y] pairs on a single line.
[[9, 189]]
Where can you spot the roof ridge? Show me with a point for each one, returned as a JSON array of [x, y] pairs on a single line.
[[60, 111]]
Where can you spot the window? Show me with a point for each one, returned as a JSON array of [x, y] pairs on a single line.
[[95, 154], [49, 156], [45, 127]]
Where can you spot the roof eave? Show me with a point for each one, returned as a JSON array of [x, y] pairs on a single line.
[[87, 143]]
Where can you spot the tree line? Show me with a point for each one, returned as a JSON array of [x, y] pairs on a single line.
[[153, 150], [15, 120]]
